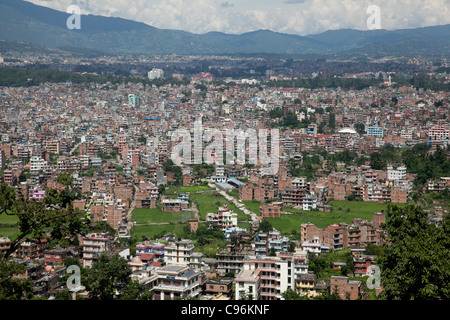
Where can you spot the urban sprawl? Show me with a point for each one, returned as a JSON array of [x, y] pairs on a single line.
[[217, 228]]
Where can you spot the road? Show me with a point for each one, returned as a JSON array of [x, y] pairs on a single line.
[[75, 147], [236, 202]]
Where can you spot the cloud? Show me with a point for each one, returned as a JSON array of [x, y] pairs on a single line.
[[226, 5], [294, 1], [309, 17]]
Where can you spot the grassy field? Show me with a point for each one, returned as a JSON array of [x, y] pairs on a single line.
[[343, 211], [252, 205], [193, 189], [143, 216], [206, 202], [8, 226], [156, 231], [209, 250], [210, 202]]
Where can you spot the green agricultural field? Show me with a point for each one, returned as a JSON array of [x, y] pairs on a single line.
[[252, 205], [156, 231], [209, 250], [145, 216], [193, 189], [8, 226], [210, 202], [343, 211]]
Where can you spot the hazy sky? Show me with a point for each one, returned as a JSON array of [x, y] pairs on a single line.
[[289, 16]]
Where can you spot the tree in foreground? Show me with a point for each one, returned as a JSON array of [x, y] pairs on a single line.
[[416, 262], [53, 219], [109, 279]]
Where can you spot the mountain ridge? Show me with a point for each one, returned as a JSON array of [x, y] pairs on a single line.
[[27, 22]]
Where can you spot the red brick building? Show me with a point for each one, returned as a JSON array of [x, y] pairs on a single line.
[[270, 210], [346, 289], [56, 255]]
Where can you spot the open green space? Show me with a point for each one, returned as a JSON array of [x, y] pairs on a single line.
[[8, 226], [157, 231], [209, 250], [252, 205], [343, 211], [144, 216], [176, 221], [210, 202], [193, 189]]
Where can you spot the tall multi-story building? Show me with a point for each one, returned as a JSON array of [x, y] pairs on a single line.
[[134, 100], [9, 177], [2, 159], [266, 278], [37, 164], [178, 251], [155, 74], [398, 173], [176, 281], [93, 245], [133, 157], [376, 131], [439, 134], [52, 146]]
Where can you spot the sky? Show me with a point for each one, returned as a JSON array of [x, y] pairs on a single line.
[[301, 17]]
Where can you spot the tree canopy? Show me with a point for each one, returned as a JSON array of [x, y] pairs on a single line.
[[416, 262]]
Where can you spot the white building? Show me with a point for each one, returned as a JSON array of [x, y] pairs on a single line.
[[299, 182], [93, 245], [309, 202], [155, 74], [266, 278], [178, 251], [300, 263], [37, 164], [174, 282], [398, 173], [312, 245]]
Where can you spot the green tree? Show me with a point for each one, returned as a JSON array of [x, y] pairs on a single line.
[[265, 226], [14, 289], [276, 113], [290, 294], [360, 128], [109, 279], [65, 179], [53, 219], [415, 264]]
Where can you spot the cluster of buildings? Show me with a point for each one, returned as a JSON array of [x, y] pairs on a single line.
[[171, 269], [113, 141]]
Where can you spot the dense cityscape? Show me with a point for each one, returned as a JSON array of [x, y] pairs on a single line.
[[117, 184]]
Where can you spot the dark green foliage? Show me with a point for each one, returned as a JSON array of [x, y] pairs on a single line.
[[415, 264], [265, 226], [276, 113], [425, 165], [169, 166], [14, 289], [109, 279]]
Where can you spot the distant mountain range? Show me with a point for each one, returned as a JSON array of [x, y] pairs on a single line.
[[26, 22]]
